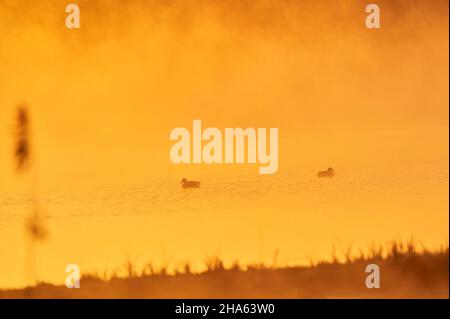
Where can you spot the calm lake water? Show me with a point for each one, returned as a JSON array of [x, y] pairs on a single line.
[[285, 219]]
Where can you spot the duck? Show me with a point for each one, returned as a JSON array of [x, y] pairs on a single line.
[[189, 184], [328, 173]]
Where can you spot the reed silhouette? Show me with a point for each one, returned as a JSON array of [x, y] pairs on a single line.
[[22, 145], [34, 226], [407, 271]]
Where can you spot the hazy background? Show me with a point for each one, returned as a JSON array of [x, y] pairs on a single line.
[[371, 103]]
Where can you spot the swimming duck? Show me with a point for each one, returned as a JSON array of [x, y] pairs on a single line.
[[328, 173], [189, 184]]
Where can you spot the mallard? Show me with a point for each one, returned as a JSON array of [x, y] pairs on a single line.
[[189, 184], [328, 173]]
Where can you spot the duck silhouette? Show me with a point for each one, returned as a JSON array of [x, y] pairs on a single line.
[[328, 173], [189, 184]]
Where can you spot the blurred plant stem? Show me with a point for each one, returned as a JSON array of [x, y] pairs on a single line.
[[34, 227]]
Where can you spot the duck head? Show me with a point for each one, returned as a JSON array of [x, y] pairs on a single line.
[[184, 180]]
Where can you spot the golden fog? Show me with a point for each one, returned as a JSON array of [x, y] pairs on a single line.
[[104, 98]]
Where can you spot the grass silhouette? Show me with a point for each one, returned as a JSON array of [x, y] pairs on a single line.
[[408, 270]]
